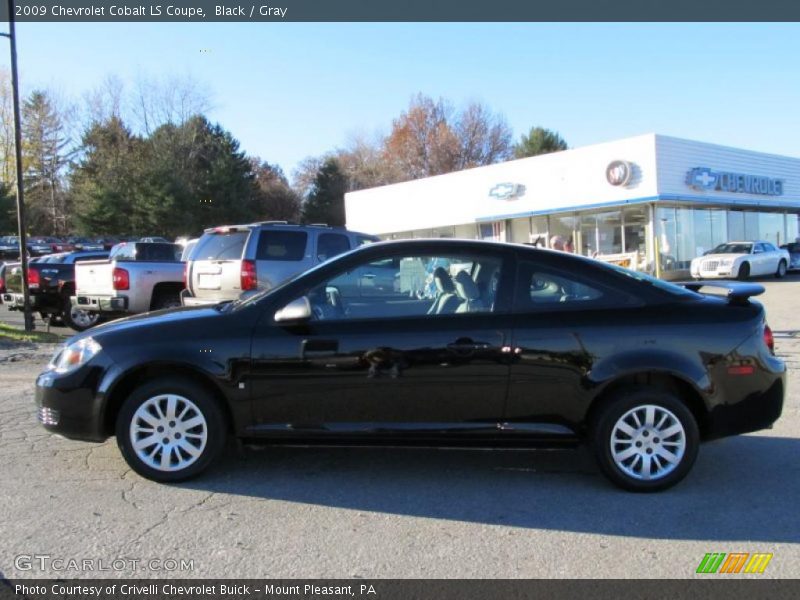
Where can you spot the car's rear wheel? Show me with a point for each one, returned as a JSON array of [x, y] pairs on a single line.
[[744, 272], [170, 429], [77, 319], [165, 300], [781, 272], [645, 439]]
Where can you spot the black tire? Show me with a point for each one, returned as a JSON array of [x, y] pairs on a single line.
[[206, 406], [621, 404], [781, 272], [78, 320], [744, 272]]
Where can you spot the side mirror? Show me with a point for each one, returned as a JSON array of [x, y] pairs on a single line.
[[297, 310]]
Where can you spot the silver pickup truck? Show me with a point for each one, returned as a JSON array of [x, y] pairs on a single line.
[[138, 277]]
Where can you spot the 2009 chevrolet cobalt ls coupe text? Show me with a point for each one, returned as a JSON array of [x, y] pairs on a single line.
[[465, 344]]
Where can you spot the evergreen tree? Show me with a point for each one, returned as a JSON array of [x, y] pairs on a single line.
[[325, 200], [539, 141]]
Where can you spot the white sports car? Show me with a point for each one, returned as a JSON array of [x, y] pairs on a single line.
[[741, 260]]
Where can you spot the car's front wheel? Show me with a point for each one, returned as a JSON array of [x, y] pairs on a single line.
[[645, 439], [170, 429], [744, 272]]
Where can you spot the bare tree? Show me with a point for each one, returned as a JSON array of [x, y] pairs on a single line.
[[104, 102], [173, 99]]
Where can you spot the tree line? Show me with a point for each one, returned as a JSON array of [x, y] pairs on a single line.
[[147, 161]]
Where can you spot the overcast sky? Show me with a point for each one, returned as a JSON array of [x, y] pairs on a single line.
[[291, 90]]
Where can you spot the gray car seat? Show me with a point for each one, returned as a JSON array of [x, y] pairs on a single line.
[[447, 301], [469, 294]]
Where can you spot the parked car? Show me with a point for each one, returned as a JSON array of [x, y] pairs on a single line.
[[236, 259], [51, 283], [188, 246], [87, 244], [516, 347], [9, 247], [154, 240], [794, 255], [39, 246], [4, 266], [741, 260], [137, 277]]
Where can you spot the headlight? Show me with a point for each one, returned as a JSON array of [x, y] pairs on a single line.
[[75, 355]]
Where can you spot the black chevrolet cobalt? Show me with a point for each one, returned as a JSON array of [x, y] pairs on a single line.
[[430, 342]]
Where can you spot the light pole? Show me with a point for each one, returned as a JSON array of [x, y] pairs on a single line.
[[23, 245]]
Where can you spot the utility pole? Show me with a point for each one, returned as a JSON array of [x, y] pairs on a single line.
[[23, 242]]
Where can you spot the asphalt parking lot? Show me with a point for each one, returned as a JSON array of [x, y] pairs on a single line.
[[381, 513]]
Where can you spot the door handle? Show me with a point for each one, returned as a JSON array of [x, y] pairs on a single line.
[[319, 348]]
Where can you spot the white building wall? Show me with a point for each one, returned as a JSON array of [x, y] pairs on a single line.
[[675, 157], [558, 181]]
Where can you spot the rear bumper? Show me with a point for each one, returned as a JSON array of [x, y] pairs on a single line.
[[758, 404], [188, 300], [16, 301], [103, 304]]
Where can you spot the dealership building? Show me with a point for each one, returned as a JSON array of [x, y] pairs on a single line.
[[651, 202]]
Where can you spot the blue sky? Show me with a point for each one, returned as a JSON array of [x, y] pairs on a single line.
[[291, 90]]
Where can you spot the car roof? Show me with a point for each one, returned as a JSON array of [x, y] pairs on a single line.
[[285, 224]]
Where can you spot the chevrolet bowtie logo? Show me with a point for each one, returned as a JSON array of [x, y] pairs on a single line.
[[702, 178], [504, 191]]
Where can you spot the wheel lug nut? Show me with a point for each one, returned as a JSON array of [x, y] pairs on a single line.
[[165, 441], [645, 434], [649, 450], [172, 423], [638, 444], [177, 436], [160, 429], [656, 440]]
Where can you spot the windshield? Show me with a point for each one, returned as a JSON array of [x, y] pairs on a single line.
[[732, 249]]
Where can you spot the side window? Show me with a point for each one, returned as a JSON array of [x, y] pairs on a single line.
[[409, 286], [281, 245], [330, 245], [540, 288], [759, 248]]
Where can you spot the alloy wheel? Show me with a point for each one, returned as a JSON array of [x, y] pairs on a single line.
[[168, 432], [648, 442]]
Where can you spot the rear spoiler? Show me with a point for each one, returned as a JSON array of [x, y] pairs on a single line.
[[737, 293]]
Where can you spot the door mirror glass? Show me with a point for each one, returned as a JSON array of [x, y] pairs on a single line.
[[297, 310]]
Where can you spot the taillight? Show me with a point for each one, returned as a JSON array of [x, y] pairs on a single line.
[[2, 285], [249, 279], [121, 279], [769, 339], [33, 278]]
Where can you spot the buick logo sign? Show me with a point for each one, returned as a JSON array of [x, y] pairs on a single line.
[[618, 172], [506, 191]]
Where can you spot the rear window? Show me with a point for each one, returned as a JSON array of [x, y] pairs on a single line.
[[158, 252], [281, 245], [331, 244], [220, 246]]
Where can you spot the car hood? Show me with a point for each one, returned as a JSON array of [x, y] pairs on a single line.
[[720, 256], [151, 320]]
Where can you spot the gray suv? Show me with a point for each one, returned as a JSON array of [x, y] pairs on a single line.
[[235, 259]]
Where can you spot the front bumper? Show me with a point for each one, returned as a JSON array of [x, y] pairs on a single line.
[[70, 405], [106, 304]]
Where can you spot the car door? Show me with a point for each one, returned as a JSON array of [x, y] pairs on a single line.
[[564, 321], [403, 363]]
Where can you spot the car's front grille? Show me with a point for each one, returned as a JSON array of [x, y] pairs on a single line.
[[710, 265]]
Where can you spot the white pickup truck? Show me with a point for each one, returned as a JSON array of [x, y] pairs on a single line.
[[138, 277]]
